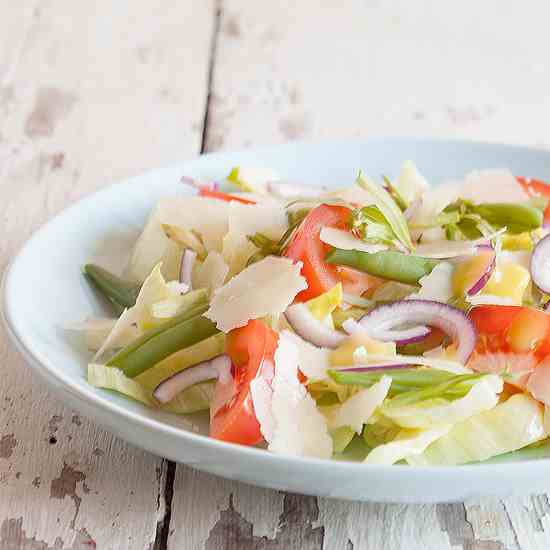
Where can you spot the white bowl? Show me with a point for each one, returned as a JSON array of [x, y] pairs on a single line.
[[44, 289]]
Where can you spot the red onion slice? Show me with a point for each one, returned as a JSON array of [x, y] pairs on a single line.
[[186, 266], [400, 337], [449, 319], [540, 265], [487, 266], [311, 329], [201, 372]]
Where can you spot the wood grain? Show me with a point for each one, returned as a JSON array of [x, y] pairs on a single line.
[[90, 92]]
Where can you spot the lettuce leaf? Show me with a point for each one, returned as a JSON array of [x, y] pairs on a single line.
[[407, 444], [507, 427], [482, 396], [389, 209]]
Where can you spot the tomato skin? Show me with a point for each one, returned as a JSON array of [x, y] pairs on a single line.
[[205, 192], [512, 340], [537, 188], [307, 247], [248, 347]]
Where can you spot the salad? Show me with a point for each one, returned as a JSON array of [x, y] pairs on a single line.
[[389, 322]]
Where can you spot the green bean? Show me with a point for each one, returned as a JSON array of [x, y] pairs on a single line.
[[183, 331], [390, 265], [120, 292], [413, 378], [516, 217]]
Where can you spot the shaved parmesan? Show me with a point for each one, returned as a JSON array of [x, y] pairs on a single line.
[[299, 429], [236, 251], [338, 238], [268, 219], [153, 247], [357, 410], [437, 285], [262, 398], [97, 330], [212, 273], [245, 220], [117, 335], [354, 194], [312, 361], [207, 217], [453, 249], [493, 186], [432, 203], [410, 183], [267, 287]]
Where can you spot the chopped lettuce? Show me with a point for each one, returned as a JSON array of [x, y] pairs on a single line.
[[110, 378], [507, 427], [323, 305], [408, 444], [482, 396], [389, 210], [341, 438]]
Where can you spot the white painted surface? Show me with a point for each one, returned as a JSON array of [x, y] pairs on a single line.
[[282, 70], [89, 92]]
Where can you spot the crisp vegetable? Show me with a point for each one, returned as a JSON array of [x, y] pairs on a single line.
[[385, 322]]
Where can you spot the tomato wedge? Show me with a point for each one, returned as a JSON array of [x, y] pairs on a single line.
[[537, 188], [511, 339], [233, 419], [307, 247], [205, 192]]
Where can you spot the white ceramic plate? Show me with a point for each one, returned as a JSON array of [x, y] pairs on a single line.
[[43, 290]]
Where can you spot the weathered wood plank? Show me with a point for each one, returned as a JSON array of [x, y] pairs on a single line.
[[89, 93], [310, 69]]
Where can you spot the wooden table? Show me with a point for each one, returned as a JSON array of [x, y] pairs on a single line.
[[92, 92]]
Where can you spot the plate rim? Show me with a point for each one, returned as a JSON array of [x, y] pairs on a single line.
[[64, 382]]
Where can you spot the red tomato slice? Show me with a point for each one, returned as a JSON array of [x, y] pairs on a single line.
[[511, 339], [307, 247], [537, 188], [235, 420], [204, 192]]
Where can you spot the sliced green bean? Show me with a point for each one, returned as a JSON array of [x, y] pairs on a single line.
[[390, 265], [516, 217], [120, 292], [148, 350], [413, 378]]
